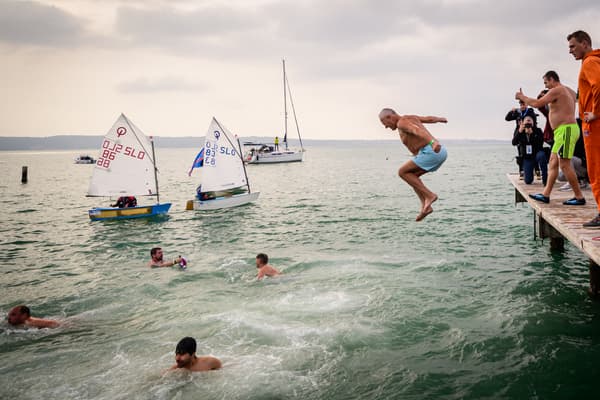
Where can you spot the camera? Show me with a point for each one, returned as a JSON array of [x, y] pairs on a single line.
[[528, 125]]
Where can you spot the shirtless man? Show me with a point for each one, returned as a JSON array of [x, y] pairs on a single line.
[[185, 357], [428, 153], [264, 269], [21, 315], [561, 100], [156, 261]]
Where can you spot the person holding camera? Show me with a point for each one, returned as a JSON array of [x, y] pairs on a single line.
[[517, 115], [530, 141]]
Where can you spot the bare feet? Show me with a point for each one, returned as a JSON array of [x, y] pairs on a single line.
[[428, 202], [424, 213], [426, 210]]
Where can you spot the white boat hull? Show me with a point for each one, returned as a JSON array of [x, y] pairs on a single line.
[[275, 157], [224, 202]]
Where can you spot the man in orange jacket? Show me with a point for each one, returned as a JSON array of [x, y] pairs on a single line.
[[580, 45]]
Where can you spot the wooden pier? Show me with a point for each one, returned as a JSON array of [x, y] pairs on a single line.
[[559, 222]]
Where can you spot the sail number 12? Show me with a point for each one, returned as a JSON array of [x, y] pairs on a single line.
[[111, 149]]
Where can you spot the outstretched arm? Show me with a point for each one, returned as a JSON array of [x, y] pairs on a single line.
[[537, 103], [161, 264], [41, 323], [429, 119]]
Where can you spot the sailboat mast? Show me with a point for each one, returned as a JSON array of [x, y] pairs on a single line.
[[155, 171], [285, 106], [294, 112], [243, 164]]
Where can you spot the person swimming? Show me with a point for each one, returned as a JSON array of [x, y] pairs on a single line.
[[21, 315], [264, 269], [185, 357]]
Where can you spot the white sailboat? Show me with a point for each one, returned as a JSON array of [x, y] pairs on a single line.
[[126, 166], [269, 153], [224, 182]]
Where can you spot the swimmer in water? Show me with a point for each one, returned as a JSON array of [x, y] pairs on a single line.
[[185, 357], [21, 315], [264, 269], [156, 261]]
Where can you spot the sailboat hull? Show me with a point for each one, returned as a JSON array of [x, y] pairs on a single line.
[[112, 213], [275, 157], [225, 202]]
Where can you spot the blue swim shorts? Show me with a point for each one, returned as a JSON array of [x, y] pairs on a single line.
[[428, 160]]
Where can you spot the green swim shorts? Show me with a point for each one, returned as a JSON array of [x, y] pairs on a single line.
[[565, 137]]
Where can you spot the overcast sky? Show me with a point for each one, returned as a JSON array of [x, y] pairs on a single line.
[[72, 66]]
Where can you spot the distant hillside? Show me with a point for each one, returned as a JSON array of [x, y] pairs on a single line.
[[75, 142], [78, 142]]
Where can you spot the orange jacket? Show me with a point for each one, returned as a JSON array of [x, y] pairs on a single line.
[[589, 84]]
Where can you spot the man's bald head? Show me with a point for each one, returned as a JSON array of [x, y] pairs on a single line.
[[386, 112], [389, 118]]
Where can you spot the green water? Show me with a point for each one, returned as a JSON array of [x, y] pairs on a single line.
[[465, 305]]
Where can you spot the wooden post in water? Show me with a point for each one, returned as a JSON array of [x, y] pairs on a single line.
[[565, 223], [594, 289], [557, 240], [24, 174]]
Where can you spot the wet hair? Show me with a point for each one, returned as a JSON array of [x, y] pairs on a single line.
[[186, 345], [24, 310], [551, 75], [154, 250], [581, 37], [263, 258]]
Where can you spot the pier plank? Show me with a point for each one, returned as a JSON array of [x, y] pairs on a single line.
[[567, 220]]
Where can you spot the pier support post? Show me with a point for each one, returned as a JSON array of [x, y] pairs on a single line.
[[519, 197], [594, 290], [24, 174], [557, 241]]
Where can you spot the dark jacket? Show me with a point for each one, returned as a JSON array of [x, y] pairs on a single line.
[[535, 139], [517, 116]]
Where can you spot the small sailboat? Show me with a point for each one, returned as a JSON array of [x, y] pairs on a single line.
[[224, 182], [126, 167], [269, 153]]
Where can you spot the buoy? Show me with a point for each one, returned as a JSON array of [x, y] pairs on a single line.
[[189, 205]]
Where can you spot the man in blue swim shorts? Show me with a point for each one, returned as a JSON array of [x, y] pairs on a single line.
[[429, 154]]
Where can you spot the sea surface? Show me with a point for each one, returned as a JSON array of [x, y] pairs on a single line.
[[372, 305]]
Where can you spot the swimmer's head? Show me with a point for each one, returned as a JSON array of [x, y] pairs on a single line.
[[18, 315], [185, 351], [261, 259], [186, 345], [156, 253], [388, 118]]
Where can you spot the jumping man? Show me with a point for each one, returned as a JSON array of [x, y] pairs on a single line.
[[428, 153]]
